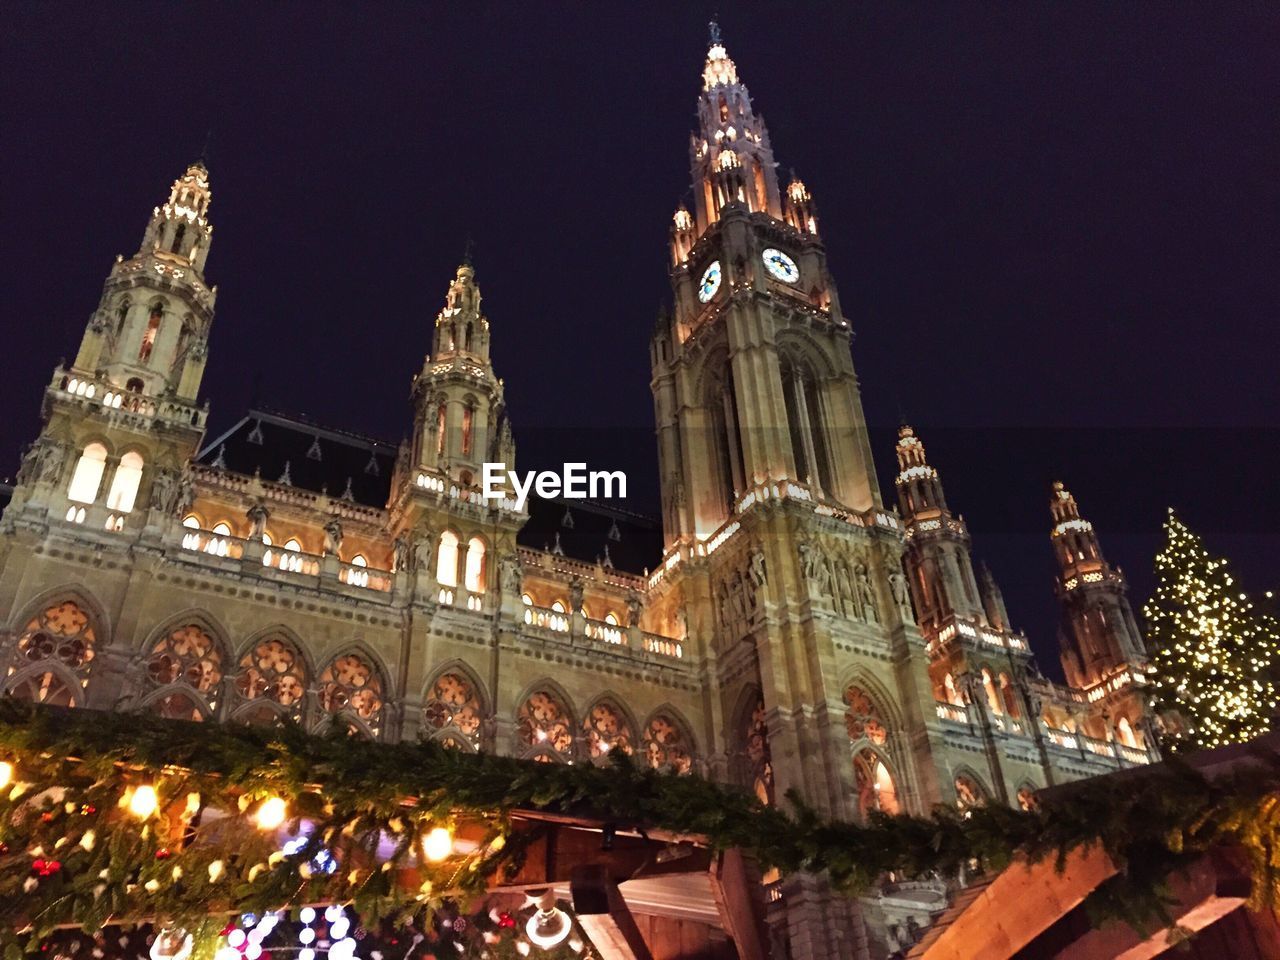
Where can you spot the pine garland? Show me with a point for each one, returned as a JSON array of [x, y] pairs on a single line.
[[1213, 653], [73, 854]]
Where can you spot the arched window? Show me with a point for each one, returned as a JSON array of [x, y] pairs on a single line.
[[191, 522], [665, 745], [447, 559], [273, 675], [177, 238], [526, 600], [187, 656], [758, 753], [1125, 734], [134, 385], [149, 336], [611, 618], [120, 316], [88, 474], [727, 438], [802, 398], [474, 575], [968, 792], [953, 695], [440, 429], [453, 706], [468, 418], [876, 789], [544, 724], [993, 695], [293, 544], [863, 720], [222, 529], [124, 486], [559, 606], [350, 686], [1009, 696], [359, 561], [606, 730], [61, 634]]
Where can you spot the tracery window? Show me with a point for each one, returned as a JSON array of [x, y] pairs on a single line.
[[862, 719], [1027, 798], [88, 474], [968, 793], [468, 418], [876, 789], [350, 685], [124, 485], [544, 722], [60, 634], [993, 696], [440, 429], [1009, 696], [149, 336], [453, 706], [447, 559], [187, 655], [759, 755], [665, 746], [273, 673], [607, 730]]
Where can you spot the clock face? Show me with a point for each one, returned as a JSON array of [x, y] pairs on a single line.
[[710, 282], [780, 265]]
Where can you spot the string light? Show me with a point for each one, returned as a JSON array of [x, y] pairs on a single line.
[[272, 813], [143, 802], [6, 773], [437, 844]]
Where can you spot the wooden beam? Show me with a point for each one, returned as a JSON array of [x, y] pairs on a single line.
[[604, 915], [733, 890]]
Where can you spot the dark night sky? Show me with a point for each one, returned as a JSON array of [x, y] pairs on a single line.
[[1054, 226]]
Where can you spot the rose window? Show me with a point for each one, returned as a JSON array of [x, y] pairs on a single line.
[[543, 720], [665, 746]]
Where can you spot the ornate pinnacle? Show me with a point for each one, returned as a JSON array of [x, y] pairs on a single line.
[[713, 28]]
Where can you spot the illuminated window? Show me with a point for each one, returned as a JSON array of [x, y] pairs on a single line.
[[189, 656], [447, 559], [453, 705], [152, 331], [266, 539], [968, 793], [474, 575], [274, 674], [607, 730], [221, 529], [527, 600], [60, 635], [611, 619], [351, 687], [468, 415], [544, 722], [1125, 734], [440, 427], [124, 486], [863, 720], [359, 561], [665, 746], [1009, 696], [559, 606], [993, 697], [191, 522], [88, 474], [876, 789]]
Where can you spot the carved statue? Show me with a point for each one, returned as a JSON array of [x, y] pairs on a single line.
[[822, 576], [757, 569], [901, 596], [400, 553], [634, 606], [422, 553], [512, 575], [808, 561], [866, 594], [186, 493], [333, 536], [575, 594], [258, 515], [50, 462]]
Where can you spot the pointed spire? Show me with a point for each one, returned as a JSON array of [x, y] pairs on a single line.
[[713, 32]]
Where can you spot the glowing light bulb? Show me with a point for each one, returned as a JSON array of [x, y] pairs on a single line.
[[272, 813], [6, 773], [143, 803], [438, 844], [308, 914]]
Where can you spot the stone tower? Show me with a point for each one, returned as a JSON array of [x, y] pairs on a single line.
[[121, 422], [779, 554], [1102, 650]]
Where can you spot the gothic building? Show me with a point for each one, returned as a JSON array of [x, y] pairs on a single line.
[[784, 627]]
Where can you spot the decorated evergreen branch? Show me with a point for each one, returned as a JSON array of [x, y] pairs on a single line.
[[118, 817], [1213, 652]]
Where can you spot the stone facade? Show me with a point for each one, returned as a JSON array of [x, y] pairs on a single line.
[[794, 633]]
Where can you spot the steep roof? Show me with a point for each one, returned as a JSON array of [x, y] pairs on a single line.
[[317, 458]]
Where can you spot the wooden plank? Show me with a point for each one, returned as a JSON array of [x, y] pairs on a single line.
[[733, 890], [604, 916]]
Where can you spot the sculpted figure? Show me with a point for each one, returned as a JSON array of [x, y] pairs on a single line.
[[186, 493], [512, 575], [575, 594], [866, 594], [901, 596], [50, 463], [258, 515], [400, 553], [634, 606], [422, 553], [333, 536], [756, 566]]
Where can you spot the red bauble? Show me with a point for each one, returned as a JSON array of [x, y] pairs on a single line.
[[163, 853]]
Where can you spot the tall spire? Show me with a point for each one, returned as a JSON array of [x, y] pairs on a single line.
[[180, 229], [731, 157]]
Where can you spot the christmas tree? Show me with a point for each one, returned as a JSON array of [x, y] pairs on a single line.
[[1213, 652]]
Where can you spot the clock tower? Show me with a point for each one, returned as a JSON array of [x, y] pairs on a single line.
[[779, 552]]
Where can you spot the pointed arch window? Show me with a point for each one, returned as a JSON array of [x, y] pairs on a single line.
[[993, 695], [606, 730], [468, 419], [441, 421], [272, 675], [454, 706], [666, 747], [863, 720], [60, 635], [969, 793], [802, 399], [124, 485], [759, 755], [87, 477], [544, 724], [350, 686], [876, 788], [150, 334], [190, 658], [727, 438]]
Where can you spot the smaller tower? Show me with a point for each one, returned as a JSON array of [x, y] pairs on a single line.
[[1099, 636], [799, 208], [937, 557]]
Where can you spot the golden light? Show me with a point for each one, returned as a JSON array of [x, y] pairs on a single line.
[[6, 773], [143, 803], [437, 844], [272, 813]]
